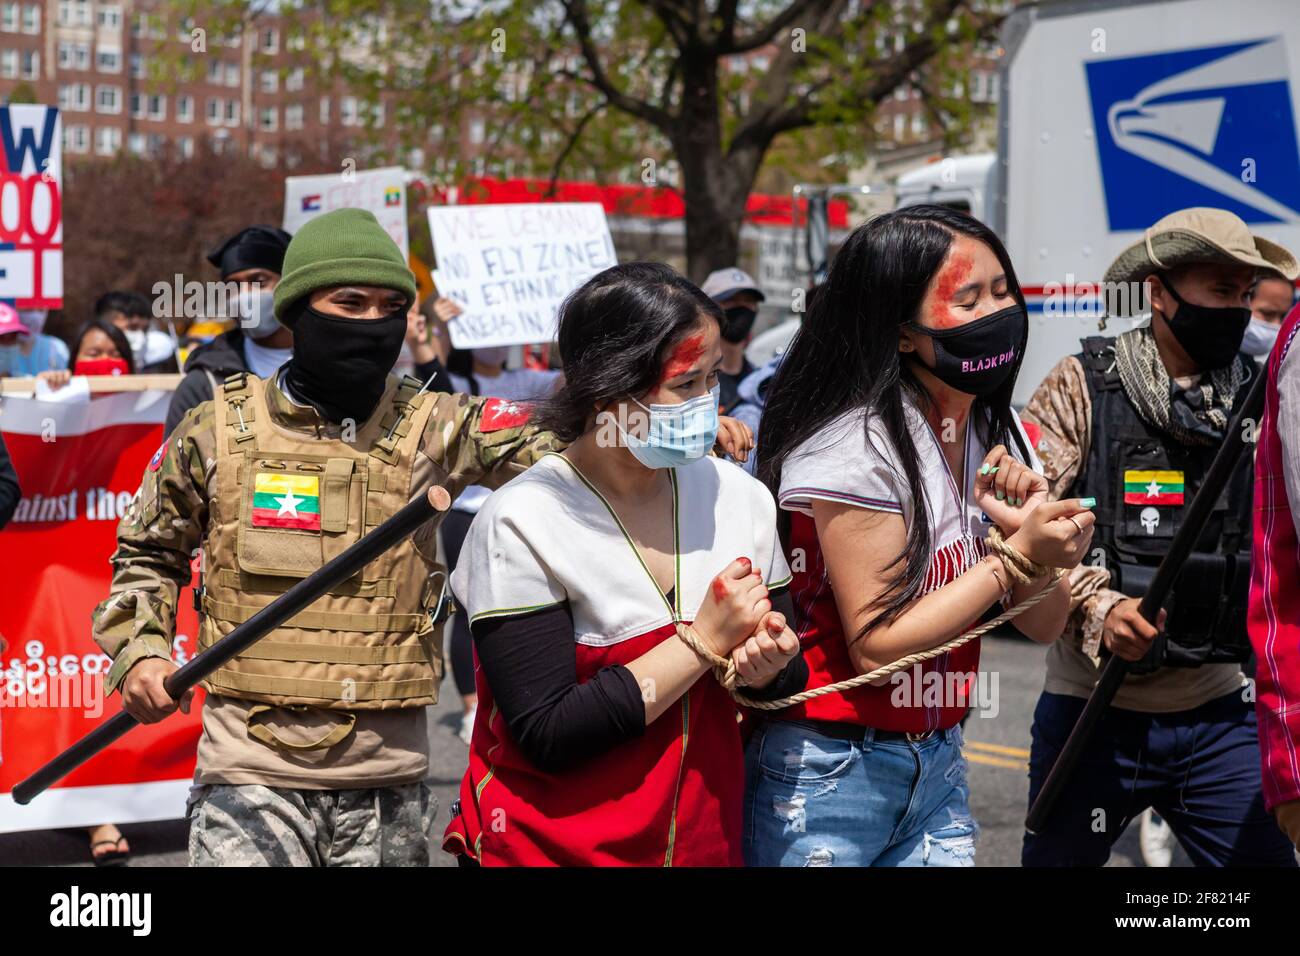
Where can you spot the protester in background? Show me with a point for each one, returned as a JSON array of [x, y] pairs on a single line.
[[10, 492], [252, 258], [888, 442], [751, 399], [99, 349], [419, 357], [24, 348], [1274, 615], [153, 350], [480, 371], [738, 296], [576, 577], [1136, 422], [1270, 301]]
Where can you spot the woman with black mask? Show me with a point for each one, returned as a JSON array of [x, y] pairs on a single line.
[[890, 443]]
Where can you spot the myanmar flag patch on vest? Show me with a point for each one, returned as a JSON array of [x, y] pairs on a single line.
[[1153, 487], [286, 501]]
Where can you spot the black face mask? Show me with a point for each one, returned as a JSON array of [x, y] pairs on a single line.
[[340, 366], [739, 322], [1210, 335], [978, 357]]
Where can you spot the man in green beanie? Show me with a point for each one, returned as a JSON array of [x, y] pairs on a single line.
[[314, 744]]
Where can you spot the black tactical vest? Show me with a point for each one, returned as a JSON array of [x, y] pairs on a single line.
[[1132, 470]]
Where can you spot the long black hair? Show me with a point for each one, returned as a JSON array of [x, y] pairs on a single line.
[[615, 333], [845, 357], [113, 332]]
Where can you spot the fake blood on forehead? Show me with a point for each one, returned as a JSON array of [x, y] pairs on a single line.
[[683, 356], [956, 270]]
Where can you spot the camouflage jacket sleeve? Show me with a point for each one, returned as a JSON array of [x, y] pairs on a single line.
[[156, 539], [1062, 410], [483, 441]]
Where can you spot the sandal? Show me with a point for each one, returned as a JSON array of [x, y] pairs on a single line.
[[116, 858]]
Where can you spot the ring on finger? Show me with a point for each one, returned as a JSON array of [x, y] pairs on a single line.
[[1076, 524]]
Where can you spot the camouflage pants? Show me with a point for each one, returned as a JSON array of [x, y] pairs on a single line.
[[250, 825]]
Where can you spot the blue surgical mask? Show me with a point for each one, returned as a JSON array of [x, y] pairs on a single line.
[[677, 433], [1259, 338]]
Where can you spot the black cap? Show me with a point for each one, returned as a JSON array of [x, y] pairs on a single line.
[[257, 247]]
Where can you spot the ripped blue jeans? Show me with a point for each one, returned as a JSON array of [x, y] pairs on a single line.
[[813, 800]]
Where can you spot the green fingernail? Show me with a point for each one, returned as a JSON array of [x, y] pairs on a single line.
[[993, 471], [984, 469], [1087, 502], [1001, 495]]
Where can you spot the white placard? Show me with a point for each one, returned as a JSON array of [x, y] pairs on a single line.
[[509, 266], [381, 191]]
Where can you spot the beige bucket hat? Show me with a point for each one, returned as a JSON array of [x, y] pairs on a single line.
[[1199, 234]]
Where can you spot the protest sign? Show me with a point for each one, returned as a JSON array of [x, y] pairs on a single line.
[[381, 191], [79, 465], [510, 266], [31, 207]]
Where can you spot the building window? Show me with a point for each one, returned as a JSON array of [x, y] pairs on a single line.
[[270, 40], [900, 127], [293, 116], [74, 97], [155, 143], [232, 74], [31, 19], [185, 146], [269, 120], [270, 81], [135, 143], [918, 124], [76, 139], [477, 130], [324, 110], [74, 56], [158, 106], [214, 111], [137, 66], [137, 106], [294, 81], [214, 72], [184, 108], [232, 112], [74, 13], [348, 110], [108, 99], [8, 64], [108, 61], [108, 140], [377, 114], [31, 64], [9, 17], [110, 17]]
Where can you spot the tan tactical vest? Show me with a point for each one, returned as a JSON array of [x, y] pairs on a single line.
[[287, 502]]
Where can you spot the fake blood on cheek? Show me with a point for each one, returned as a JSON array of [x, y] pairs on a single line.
[[683, 356], [952, 277]]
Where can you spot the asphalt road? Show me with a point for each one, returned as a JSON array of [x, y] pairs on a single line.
[[997, 748]]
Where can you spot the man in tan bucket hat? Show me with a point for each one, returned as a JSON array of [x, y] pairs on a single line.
[[1134, 422]]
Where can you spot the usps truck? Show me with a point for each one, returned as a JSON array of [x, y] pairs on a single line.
[[1114, 114]]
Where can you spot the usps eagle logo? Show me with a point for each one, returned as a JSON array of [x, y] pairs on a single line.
[[1210, 126]]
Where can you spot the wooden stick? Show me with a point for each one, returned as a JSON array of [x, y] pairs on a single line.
[[101, 384]]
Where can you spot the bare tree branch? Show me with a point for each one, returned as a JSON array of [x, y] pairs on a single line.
[[576, 15], [762, 36], [569, 146]]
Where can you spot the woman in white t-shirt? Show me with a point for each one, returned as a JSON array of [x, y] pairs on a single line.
[[891, 445], [480, 371]]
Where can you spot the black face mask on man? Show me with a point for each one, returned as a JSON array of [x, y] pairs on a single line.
[[978, 357], [738, 323], [1210, 335], [340, 365]]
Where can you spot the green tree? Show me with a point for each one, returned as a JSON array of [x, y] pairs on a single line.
[[590, 87]]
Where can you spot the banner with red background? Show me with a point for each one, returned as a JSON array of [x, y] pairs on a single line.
[[79, 465]]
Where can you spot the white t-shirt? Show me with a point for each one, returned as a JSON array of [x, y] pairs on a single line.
[[515, 384], [853, 462], [548, 537]]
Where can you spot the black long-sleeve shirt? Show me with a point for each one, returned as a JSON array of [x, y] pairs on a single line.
[[531, 663], [10, 493]]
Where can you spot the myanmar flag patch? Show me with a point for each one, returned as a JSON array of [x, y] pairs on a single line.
[[286, 501], [1153, 487]]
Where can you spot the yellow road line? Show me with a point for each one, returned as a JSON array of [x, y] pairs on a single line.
[[997, 762], [998, 749]]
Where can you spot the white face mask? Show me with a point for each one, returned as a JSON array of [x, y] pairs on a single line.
[[1259, 338], [136, 339], [34, 319], [257, 314]]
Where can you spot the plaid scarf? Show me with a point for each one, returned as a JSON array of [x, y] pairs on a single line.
[[1193, 416]]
